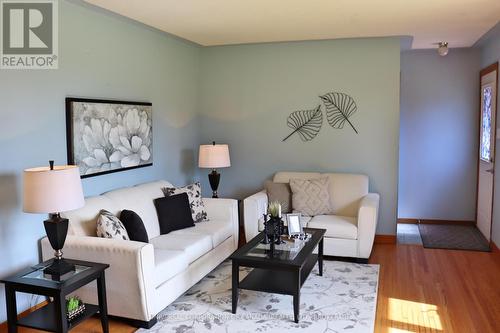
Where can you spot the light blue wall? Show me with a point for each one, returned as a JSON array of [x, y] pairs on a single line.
[[438, 134], [248, 91], [490, 53], [101, 55]]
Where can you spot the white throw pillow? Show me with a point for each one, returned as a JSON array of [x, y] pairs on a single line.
[[110, 226], [311, 197], [195, 200]]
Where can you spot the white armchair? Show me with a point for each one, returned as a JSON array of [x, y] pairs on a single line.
[[351, 227]]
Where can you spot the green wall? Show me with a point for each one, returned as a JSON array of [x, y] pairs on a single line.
[[247, 92]]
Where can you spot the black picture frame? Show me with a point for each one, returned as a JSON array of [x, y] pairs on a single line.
[[70, 132]]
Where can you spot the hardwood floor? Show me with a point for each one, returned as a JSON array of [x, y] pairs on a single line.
[[421, 290], [429, 290]]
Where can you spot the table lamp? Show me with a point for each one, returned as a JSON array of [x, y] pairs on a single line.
[[211, 157], [52, 190]]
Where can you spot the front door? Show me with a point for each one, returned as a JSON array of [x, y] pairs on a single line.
[[487, 136]]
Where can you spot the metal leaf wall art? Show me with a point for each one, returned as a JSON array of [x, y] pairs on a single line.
[[339, 107], [307, 123]]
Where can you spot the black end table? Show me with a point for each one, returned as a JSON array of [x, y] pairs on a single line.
[[283, 272], [52, 317]]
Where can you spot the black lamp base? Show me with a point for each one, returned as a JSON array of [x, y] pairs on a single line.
[[214, 179], [58, 267], [56, 228]]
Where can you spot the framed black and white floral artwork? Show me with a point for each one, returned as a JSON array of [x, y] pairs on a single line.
[[105, 136]]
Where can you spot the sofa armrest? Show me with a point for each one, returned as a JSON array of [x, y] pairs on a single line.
[[367, 223], [226, 210], [254, 207], [129, 278]]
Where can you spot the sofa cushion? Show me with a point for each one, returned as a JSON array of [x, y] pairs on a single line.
[[110, 226], [194, 245], [336, 226], [83, 221], [195, 200], [134, 225], [174, 213], [219, 230], [311, 197], [134, 198], [169, 263]]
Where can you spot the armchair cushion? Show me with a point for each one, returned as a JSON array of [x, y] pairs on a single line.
[[280, 192], [311, 196], [336, 226]]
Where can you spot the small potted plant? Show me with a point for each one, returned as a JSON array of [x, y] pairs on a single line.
[[274, 209], [74, 307]]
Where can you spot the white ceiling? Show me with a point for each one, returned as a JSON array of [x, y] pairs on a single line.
[[220, 22]]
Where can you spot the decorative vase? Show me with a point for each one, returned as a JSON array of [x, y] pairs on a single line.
[[272, 232]]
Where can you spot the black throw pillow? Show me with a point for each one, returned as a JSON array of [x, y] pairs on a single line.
[[134, 226], [174, 213]]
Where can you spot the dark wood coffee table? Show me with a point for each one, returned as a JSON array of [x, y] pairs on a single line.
[[283, 273]]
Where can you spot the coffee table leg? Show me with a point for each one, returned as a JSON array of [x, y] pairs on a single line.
[[296, 297], [236, 282], [10, 297], [320, 257]]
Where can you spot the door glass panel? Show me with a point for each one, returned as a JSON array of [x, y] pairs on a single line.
[[486, 124]]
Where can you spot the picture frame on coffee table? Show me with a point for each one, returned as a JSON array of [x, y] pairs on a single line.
[[294, 225]]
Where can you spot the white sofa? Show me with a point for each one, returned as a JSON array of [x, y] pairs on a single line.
[[144, 278], [351, 227]]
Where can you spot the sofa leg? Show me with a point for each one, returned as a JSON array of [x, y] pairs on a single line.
[[347, 259], [137, 323]]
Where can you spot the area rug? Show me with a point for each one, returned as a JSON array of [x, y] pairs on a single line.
[[344, 299], [453, 237]]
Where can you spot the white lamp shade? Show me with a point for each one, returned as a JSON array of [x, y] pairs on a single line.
[[52, 191], [214, 156]]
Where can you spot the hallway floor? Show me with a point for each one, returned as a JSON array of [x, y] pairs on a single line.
[[408, 234]]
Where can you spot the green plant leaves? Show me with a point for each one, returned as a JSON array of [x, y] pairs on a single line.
[[306, 123], [339, 107]]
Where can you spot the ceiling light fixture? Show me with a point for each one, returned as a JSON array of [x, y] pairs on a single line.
[[443, 48]]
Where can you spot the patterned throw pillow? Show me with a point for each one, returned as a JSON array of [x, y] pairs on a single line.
[[195, 200], [109, 226], [311, 197]]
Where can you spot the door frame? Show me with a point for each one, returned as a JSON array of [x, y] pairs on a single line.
[[483, 72]]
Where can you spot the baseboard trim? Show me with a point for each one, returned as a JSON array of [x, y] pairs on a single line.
[[494, 247], [3, 326], [434, 221], [385, 239]]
